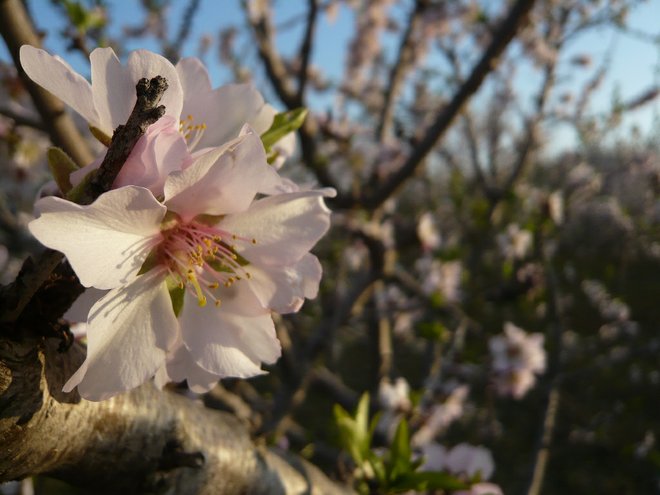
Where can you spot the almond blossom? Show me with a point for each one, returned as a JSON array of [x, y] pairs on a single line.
[[191, 280], [517, 358], [204, 116]]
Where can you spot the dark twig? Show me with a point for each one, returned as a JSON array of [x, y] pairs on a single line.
[[278, 76], [173, 50], [146, 112], [501, 39], [21, 119], [16, 29], [306, 49], [34, 275], [398, 71]]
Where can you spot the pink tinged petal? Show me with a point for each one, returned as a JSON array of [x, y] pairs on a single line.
[[285, 226], [143, 63], [284, 288], [113, 89], [224, 111], [105, 242], [129, 333], [55, 75], [79, 310], [161, 151], [222, 181], [231, 340]]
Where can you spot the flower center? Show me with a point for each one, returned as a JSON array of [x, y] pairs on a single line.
[[201, 258], [192, 132]]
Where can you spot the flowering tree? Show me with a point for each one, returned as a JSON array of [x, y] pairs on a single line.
[[475, 316]]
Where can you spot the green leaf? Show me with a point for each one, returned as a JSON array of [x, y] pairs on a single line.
[[400, 452], [61, 166], [283, 124], [428, 480], [176, 295]]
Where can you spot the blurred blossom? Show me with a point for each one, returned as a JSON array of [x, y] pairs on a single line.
[[517, 358], [428, 232], [395, 402], [609, 307], [515, 242], [556, 207], [465, 461], [440, 276], [394, 396], [441, 416]]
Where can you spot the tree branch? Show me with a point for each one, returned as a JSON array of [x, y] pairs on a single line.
[[306, 49], [16, 29], [277, 74], [399, 70], [501, 39], [138, 442]]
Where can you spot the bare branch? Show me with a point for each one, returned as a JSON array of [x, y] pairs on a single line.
[[501, 39], [306, 49], [398, 71]]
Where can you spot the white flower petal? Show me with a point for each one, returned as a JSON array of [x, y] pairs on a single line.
[[224, 111], [113, 89], [181, 366], [105, 242], [284, 288], [55, 75], [285, 226], [143, 63], [128, 335], [233, 339], [221, 181], [79, 310], [195, 82]]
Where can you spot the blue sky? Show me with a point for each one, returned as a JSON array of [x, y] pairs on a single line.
[[635, 65]]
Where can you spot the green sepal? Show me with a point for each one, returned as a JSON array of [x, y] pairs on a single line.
[[149, 263], [283, 124], [102, 137], [61, 166], [176, 295]]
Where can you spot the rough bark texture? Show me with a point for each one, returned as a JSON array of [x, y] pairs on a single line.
[[145, 441]]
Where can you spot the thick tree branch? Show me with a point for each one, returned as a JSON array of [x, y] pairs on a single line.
[[501, 39], [16, 29], [138, 442]]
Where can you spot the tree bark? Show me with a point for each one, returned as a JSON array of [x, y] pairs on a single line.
[[144, 441]]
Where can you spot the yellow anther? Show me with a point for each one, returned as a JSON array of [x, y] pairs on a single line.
[[254, 241], [214, 285], [218, 302], [248, 275]]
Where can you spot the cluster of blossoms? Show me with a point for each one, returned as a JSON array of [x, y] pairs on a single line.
[[517, 358], [199, 239], [463, 460]]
